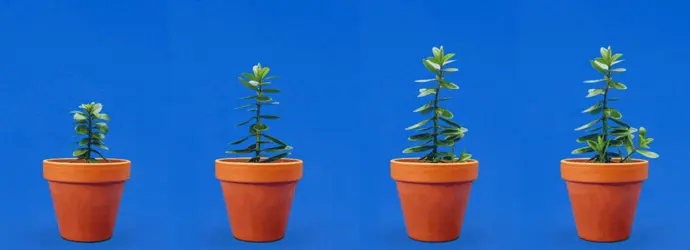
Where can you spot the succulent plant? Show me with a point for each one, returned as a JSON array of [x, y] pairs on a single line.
[[258, 81], [613, 133], [91, 127]]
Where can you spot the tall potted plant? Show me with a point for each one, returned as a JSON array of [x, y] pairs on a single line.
[[86, 190], [259, 189], [434, 189], [604, 188]]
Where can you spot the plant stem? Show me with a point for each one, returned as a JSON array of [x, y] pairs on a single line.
[[438, 90], [258, 121], [89, 125], [604, 118], [627, 157]]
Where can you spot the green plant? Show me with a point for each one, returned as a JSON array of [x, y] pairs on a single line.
[[613, 132], [258, 82], [91, 126], [452, 131]]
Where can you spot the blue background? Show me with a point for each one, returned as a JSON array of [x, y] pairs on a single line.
[[166, 73]]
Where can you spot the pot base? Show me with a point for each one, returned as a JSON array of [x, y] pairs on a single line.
[[255, 241], [78, 241], [598, 241], [426, 241]]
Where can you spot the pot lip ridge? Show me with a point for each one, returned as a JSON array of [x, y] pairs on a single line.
[[242, 161], [583, 162], [415, 162], [66, 162]]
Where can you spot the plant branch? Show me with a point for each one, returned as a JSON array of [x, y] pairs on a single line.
[[439, 78], [258, 121]]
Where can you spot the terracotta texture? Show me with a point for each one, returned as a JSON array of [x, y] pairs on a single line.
[[604, 197], [433, 196], [86, 196], [258, 196]]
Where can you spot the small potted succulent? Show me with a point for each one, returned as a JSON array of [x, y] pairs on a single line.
[[434, 189], [259, 189], [86, 190], [604, 188]]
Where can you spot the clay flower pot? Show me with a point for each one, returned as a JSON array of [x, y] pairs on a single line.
[[433, 196], [258, 196], [604, 197], [86, 196]]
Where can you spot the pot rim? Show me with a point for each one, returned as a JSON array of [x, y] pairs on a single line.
[[236, 161], [415, 161], [65, 162], [584, 162]]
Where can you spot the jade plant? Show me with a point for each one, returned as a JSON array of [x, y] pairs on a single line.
[[611, 133], [442, 132], [258, 81], [91, 127]]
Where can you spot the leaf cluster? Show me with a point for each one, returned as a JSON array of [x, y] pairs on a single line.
[[441, 121], [258, 81], [90, 125], [608, 132]]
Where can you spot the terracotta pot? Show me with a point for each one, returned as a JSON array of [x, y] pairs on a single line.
[[86, 196], [433, 196], [258, 196], [604, 197]]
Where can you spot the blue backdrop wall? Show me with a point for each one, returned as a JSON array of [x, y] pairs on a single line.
[[166, 73]]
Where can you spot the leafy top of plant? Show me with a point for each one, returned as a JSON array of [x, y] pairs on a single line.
[[91, 126], [258, 81], [452, 132], [612, 133]]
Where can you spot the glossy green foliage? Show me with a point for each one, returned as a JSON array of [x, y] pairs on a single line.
[[90, 125], [608, 134], [258, 81], [439, 130]]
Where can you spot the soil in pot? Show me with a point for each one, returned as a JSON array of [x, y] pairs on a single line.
[[86, 196], [258, 196], [604, 197], [433, 196]]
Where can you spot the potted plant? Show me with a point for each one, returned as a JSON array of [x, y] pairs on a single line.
[[434, 189], [86, 190], [259, 189], [604, 188]]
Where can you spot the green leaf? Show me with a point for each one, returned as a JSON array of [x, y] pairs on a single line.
[[240, 151], [594, 81], [277, 149], [433, 67], [270, 77], [252, 109], [244, 106], [419, 124], [99, 136], [270, 117], [450, 70], [264, 72], [81, 129], [594, 144], [101, 146], [589, 137], [452, 123], [424, 129], [97, 108], [80, 152], [249, 76], [448, 56], [426, 92], [453, 132], [617, 62], [449, 85], [588, 125], [275, 140], [240, 140], [446, 62], [446, 142], [619, 122], [247, 84], [254, 83], [594, 109], [258, 127], [426, 106], [464, 156], [605, 53], [102, 126], [618, 70], [643, 133], [598, 66], [79, 116], [417, 149], [616, 56], [248, 97], [425, 80], [444, 113], [263, 98], [648, 154], [84, 142], [582, 150], [270, 90], [617, 85], [103, 116], [276, 157], [436, 52], [593, 129], [421, 137], [245, 122], [629, 145], [595, 92], [613, 114]]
